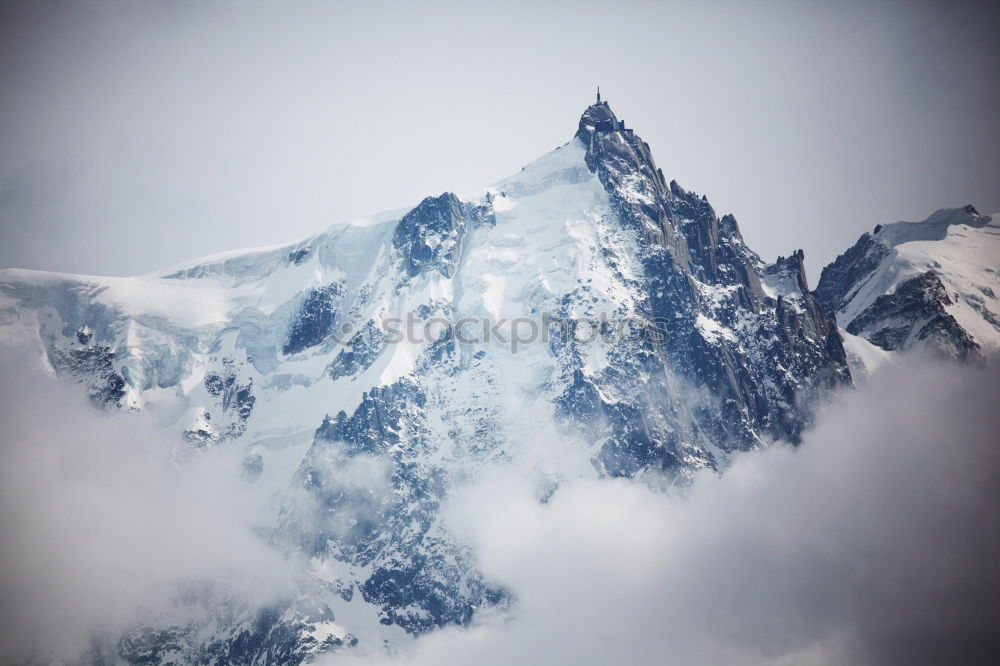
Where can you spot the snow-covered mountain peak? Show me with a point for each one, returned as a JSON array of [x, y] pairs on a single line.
[[584, 303], [936, 227], [930, 284]]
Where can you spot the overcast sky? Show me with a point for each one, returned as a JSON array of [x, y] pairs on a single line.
[[137, 135]]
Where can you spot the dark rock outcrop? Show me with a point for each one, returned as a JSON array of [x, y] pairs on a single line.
[[915, 311]]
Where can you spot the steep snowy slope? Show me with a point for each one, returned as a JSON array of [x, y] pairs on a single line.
[[584, 303], [930, 284]]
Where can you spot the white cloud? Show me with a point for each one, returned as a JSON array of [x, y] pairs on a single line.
[[99, 524], [874, 542]]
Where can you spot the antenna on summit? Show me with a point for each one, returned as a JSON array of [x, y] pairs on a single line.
[[598, 94]]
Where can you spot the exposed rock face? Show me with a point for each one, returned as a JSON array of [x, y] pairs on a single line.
[[94, 366], [915, 312], [234, 399], [419, 576], [315, 320], [430, 236], [788, 275], [722, 332], [840, 280]]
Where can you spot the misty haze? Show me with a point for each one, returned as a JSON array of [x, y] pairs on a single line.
[[563, 333]]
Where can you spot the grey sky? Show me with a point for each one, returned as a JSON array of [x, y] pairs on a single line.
[[136, 135]]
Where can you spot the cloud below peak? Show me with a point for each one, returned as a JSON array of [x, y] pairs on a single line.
[[872, 543]]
